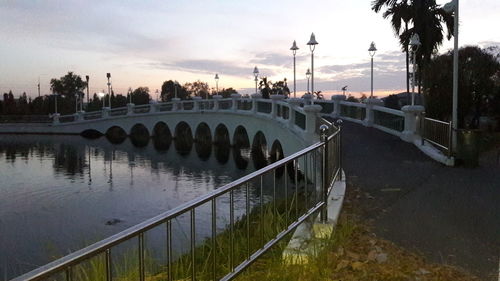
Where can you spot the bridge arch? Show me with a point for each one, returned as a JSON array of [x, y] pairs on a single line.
[[221, 136], [162, 137], [203, 141], [183, 138], [259, 150], [116, 134], [139, 135], [240, 137]]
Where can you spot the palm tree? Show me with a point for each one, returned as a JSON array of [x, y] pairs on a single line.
[[399, 11], [426, 18]]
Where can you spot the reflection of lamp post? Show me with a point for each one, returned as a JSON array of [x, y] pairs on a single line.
[[216, 83], [256, 74], [449, 8], [294, 49], [108, 75], [312, 45], [308, 75], [372, 51], [415, 44]]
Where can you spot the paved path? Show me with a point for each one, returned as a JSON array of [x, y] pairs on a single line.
[[450, 215]]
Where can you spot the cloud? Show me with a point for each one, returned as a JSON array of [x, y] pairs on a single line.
[[209, 67], [276, 59]]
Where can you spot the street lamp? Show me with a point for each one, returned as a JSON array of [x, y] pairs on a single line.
[[256, 75], [414, 44], [130, 95], [55, 101], [294, 49], [108, 75], [216, 83], [157, 95], [452, 7], [308, 75], [312, 45], [372, 51], [87, 78]]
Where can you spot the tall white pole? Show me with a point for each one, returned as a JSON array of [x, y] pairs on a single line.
[[455, 81], [294, 78], [256, 80], [413, 79], [56, 103], [371, 94], [312, 72]]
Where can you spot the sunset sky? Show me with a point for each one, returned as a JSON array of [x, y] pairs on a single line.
[[143, 43]]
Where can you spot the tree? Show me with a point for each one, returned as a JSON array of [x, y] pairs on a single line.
[[168, 89], [141, 96], [264, 87], [478, 87], [198, 89], [69, 85], [392, 101], [426, 17], [268, 88], [226, 93]]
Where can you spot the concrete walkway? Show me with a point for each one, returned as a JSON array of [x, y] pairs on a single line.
[[450, 215]]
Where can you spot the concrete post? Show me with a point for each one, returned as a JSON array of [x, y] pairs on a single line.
[[216, 99], [79, 116], [175, 106], [196, 103], [255, 97], [312, 112], [337, 99], [130, 108], [294, 102], [55, 118], [105, 112], [235, 98], [308, 98], [370, 117], [274, 108], [411, 113], [152, 106]]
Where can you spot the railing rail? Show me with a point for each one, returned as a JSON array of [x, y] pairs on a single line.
[[303, 166], [438, 133]]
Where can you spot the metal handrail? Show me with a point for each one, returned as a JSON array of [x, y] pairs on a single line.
[[104, 246], [437, 133]]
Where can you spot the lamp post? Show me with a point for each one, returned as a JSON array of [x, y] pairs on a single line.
[[415, 44], [216, 83], [108, 75], [308, 75], [256, 75], [175, 89], [372, 51], [312, 46], [157, 94], [344, 89], [130, 95], [294, 49], [87, 78], [452, 7], [55, 101]]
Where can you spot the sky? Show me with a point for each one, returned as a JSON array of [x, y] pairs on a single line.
[[144, 43]]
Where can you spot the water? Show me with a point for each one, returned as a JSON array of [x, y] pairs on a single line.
[[60, 193]]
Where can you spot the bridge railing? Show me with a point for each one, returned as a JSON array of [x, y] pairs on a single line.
[[289, 191], [438, 133], [354, 111], [389, 119]]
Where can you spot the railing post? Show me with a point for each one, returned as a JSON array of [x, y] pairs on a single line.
[[311, 119], [294, 102], [105, 112], [450, 139], [216, 99], [152, 106], [337, 99], [55, 118], [235, 98], [196, 103], [175, 105], [411, 112], [274, 104], [370, 116], [130, 108], [324, 173], [255, 97]]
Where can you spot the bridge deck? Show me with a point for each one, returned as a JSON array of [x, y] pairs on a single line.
[[451, 215]]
